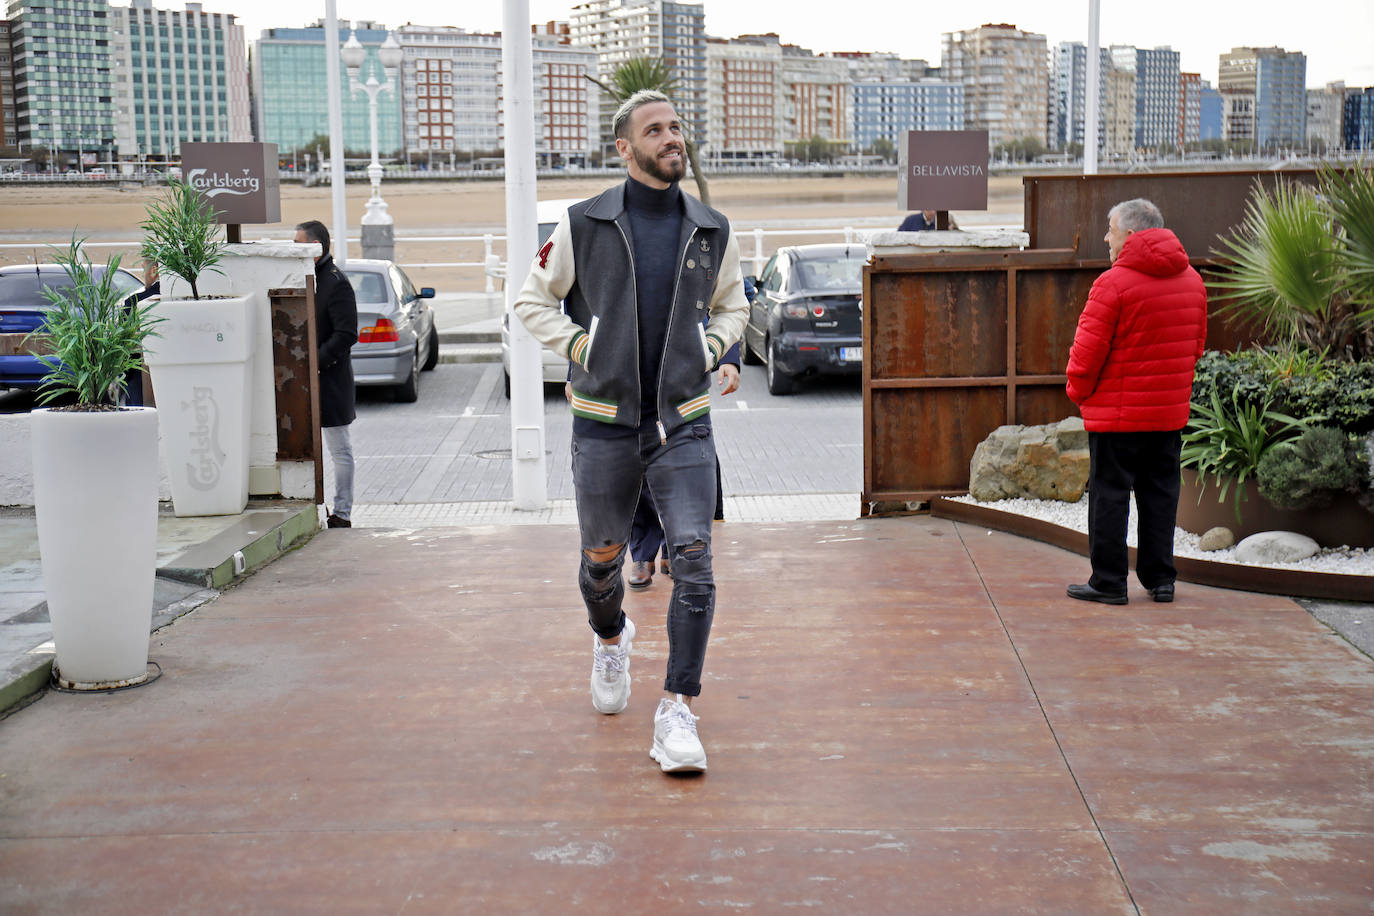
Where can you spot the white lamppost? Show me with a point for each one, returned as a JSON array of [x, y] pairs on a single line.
[[378, 234]]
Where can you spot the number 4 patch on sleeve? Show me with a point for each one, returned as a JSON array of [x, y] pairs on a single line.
[[544, 255]]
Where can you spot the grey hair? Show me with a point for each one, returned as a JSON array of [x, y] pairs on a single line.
[[1135, 215], [620, 124]]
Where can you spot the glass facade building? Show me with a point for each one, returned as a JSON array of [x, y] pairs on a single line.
[[63, 90], [178, 76], [887, 109], [1357, 120], [290, 101]]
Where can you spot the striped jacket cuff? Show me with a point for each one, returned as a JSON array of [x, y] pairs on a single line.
[[577, 347]]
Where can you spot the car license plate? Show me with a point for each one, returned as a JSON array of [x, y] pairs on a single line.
[[852, 354]]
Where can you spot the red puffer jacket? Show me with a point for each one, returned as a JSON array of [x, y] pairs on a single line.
[[1131, 364]]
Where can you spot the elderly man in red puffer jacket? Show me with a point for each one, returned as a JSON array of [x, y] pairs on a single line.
[[1131, 375]]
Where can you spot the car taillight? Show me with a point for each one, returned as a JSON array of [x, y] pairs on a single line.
[[795, 311], [381, 332]]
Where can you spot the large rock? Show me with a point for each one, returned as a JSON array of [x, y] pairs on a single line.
[[1218, 538], [1031, 462], [1275, 547]]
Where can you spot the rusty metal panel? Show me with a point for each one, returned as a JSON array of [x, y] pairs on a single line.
[[924, 437], [1040, 404], [296, 377], [25, 345], [1048, 303], [1070, 211], [945, 324]]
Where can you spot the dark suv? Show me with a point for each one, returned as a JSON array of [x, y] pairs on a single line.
[[807, 318], [23, 309]]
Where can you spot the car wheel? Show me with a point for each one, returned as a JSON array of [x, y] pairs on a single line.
[[747, 354], [779, 382], [432, 359], [408, 392]]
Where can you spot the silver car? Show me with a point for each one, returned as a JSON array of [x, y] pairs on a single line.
[[397, 339]]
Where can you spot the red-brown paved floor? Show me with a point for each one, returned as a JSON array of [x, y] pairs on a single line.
[[902, 716]]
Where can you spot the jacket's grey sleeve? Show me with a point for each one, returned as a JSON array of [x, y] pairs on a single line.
[[539, 304], [729, 307]]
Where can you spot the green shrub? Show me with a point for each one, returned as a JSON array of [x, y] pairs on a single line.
[[1307, 472], [1225, 440]]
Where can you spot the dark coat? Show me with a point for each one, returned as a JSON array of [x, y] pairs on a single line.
[[336, 330]]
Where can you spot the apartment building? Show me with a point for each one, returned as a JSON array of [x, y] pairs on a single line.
[[1067, 116], [1119, 111], [1189, 107], [178, 76], [63, 94], [673, 32], [885, 110], [1325, 109], [1275, 82], [1357, 121], [1004, 74], [7, 130], [744, 108], [1157, 89]]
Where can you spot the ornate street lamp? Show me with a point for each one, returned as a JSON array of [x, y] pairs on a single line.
[[378, 233]]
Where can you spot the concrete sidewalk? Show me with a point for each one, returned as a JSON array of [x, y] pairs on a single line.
[[902, 716]]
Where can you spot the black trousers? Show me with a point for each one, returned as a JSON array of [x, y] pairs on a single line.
[[1148, 464]]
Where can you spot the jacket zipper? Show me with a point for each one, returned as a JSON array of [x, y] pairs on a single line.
[[634, 292], [672, 311]]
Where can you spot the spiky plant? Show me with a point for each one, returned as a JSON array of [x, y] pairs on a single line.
[[182, 235], [95, 339]]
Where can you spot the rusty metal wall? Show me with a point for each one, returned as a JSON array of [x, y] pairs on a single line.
[[296, 377], [1070, 211]]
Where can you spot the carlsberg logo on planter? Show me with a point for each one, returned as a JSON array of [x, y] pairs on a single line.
[[217, 183], [241, 180], [207, 456]]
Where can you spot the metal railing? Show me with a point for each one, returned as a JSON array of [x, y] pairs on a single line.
[[493, 265]]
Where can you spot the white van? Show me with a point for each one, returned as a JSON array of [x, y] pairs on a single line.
[[554, 368]]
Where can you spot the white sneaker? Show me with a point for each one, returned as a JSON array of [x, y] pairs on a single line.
[[611, 672], [676, 745]]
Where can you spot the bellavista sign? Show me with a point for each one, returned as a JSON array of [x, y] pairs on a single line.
[[943, 170], [239, 179]]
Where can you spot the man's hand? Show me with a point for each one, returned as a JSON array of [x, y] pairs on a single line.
[[728, 376]]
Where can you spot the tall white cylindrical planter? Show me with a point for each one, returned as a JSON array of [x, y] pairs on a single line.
[[201, 366], [95, 484]]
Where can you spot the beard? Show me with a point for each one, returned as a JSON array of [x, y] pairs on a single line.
[[664, 171]]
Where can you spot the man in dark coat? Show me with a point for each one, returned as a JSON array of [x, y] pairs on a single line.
[[336, 330]]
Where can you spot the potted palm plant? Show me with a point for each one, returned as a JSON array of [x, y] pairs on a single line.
[[95, 480], [201, 366]]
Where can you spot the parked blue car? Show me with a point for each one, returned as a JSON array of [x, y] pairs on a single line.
[[23, 310]]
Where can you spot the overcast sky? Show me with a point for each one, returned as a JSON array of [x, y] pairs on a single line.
[[1336, 35]]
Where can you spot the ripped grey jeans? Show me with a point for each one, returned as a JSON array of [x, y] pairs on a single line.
[[681, 474]]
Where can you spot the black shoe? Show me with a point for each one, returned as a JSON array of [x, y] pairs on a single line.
[[335, 522], [1088, 593], [1163, 593]]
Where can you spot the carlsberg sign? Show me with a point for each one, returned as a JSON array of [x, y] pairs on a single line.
[[239, 179]]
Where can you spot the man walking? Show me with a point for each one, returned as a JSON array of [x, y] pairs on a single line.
[[639, 268], [1131, 374], [336, 330]]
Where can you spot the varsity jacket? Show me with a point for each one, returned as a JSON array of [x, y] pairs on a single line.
[[579, 301]]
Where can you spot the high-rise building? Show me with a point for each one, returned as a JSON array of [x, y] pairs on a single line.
[[884, 67], [1156, 93], [1238, 116], [1003, 72], [453, 85], [1325, 108], [662, 30], [1357, 123], [178, 76], [1119, 110], [1189, 107], [1209, 113], [815, 97], [884, 110], [1067, 116], [289, 97], [62, 83], [7, 135], [1277, 81], [744, 105]]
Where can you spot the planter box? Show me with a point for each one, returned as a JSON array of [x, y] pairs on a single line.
[[1343, 523]]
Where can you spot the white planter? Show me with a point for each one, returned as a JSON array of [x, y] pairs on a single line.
[[201, 367], [95, 500]]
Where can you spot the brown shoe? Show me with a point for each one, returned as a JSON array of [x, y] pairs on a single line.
[[641, 574]]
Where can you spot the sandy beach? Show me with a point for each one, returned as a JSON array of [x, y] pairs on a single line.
[[45, 215]]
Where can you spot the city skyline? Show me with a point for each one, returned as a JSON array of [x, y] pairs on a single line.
[[1330, 33]]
